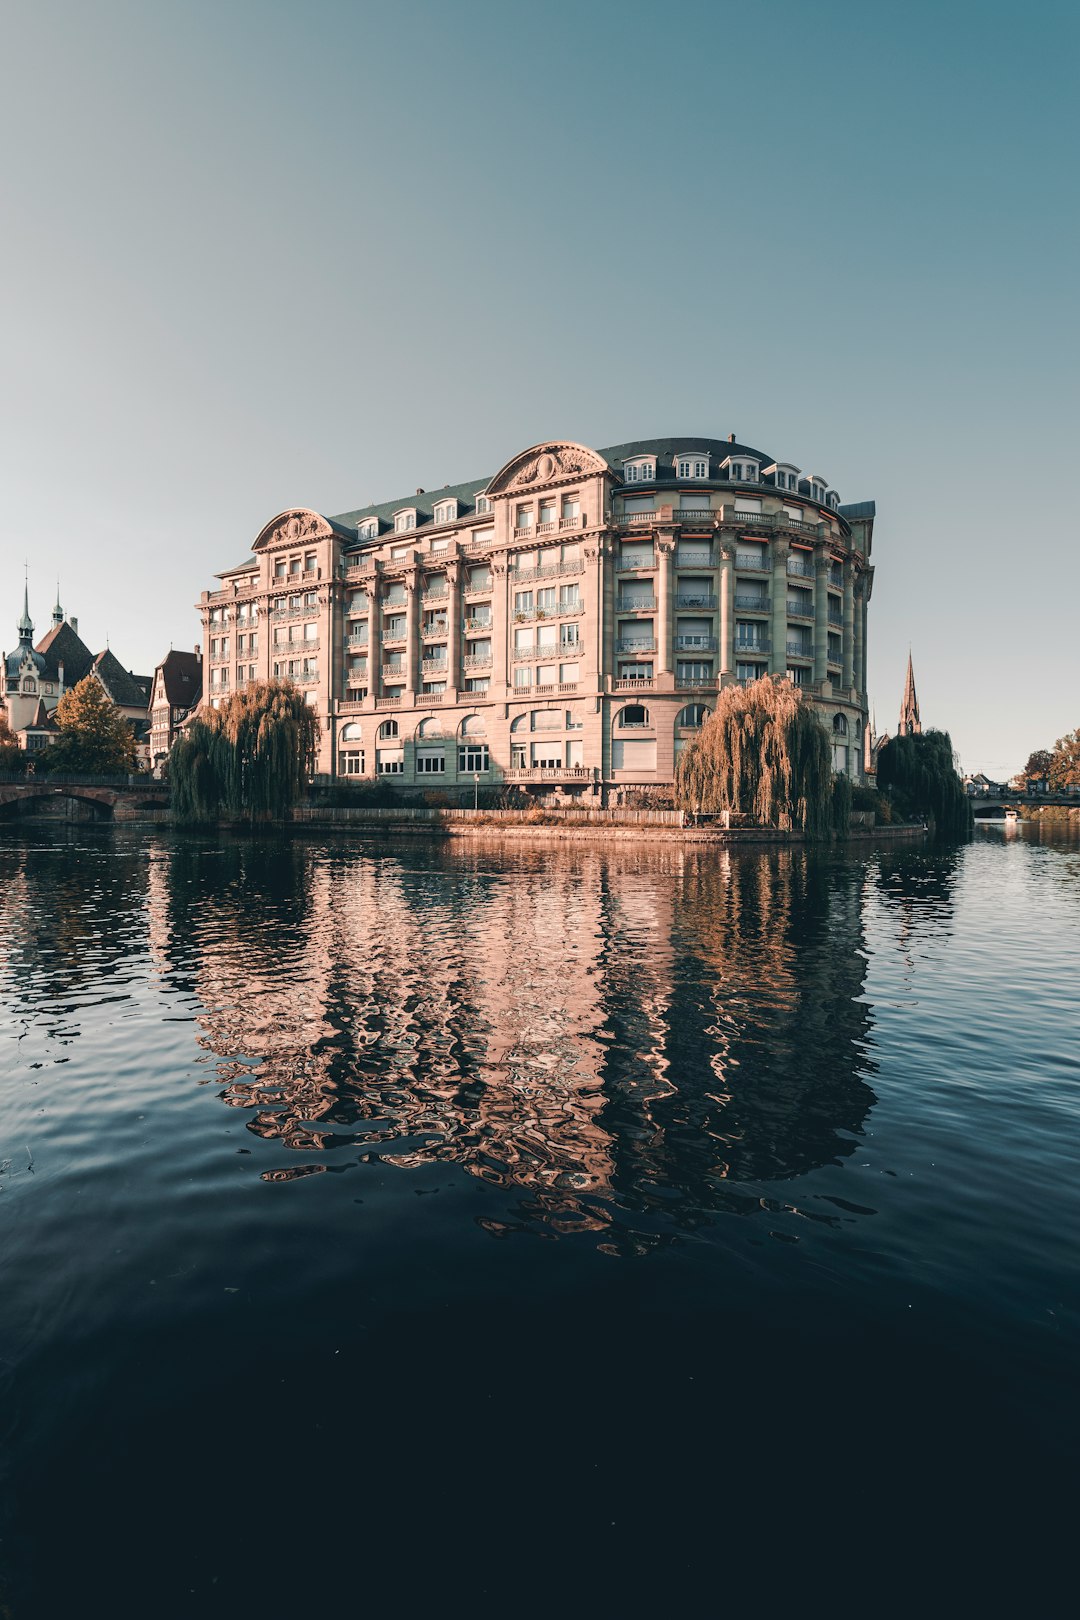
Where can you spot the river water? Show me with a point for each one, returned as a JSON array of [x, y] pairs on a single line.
[[383, 1225]]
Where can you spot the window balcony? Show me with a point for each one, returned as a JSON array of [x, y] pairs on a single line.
[[572, 522], [636, 520], [393, 672], [707, 559], [686, 682], [550, 570], [478, 661], [356, 641], [547, 528], [803, 570], [795, 611], [636, 683], [395, 638], [438, 594], [704, 604], [745, 563], [695, 643], [635, 645], [645, 604], [799, 649], [632, 565], [753, 647], [836, 621], [476, 624], [437, 630], [473, 593], [388, 702], [550, 773], [434, 666], [751, 604], [696, 515]]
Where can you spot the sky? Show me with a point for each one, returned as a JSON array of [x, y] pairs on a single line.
[[259, 255]]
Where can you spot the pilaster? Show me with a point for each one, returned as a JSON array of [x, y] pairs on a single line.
[[849, 622], [778, 586], [821, 611], [727, 616]]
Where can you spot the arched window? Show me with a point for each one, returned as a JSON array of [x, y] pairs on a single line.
[[634, 715], [520, 724], [431, 727], [351, 732], [695, 714], [28, 685], [389, 728], [474, 725], [839, 724]]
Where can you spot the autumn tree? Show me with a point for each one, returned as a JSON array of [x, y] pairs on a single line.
[[252, 757], [95, 739], [1039, 763], [763, 753], [1065, 762]]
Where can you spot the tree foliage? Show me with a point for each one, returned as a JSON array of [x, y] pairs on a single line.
[[920, 777], [1039, 763], [95, 738], [12, 757], [1065, 762], [252, 757], [763, 753]]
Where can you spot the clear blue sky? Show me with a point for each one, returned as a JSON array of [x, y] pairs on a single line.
[[265, 254]]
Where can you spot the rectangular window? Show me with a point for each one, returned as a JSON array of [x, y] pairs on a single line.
[[571, 507], [351, 762], [517, 756], [798, 676], [749, 672], [570, 598], [523, 675], [573, 724], [430, 761], [523, 601], [523, 517], [477, 683], [547, 635], [309, 563], [359, 602], [547, 511], [575, 752], [395, 628], [569, 672], [545, 599], [546, 674], [479, 579], [482, 537], [389, 761], [279, 569], [635, 672], [698, 671], [294, 565], [523, 640], [547, 756], [636, 554], [311, 632], [395, 593], [570, 552], [473, 757], [434, 687]]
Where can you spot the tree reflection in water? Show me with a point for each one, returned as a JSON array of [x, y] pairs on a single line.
[[626, 1044]]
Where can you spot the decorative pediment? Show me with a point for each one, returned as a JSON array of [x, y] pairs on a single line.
[[292, 528], [546, 464]]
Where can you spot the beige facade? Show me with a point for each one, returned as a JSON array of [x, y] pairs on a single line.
[[563, 627]]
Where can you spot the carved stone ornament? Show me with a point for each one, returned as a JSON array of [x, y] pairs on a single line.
[[546, 464], [292, 528]]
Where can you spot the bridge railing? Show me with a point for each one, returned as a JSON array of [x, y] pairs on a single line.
[[138, 784]]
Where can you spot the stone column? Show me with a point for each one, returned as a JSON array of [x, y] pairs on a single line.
[[821, 612], [374, 650], [849, 622], [665, 546], [778, 585], [413, 648], [862, 639], [455, 680], [727, 613]]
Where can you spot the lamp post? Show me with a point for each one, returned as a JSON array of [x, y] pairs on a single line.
[[476, 792]]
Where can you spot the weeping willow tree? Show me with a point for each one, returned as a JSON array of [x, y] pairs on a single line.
[[252, 757], [765, 754], [918, 774]]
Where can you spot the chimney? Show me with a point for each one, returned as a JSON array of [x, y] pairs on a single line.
[[419, 491], [731, 438], [198, 653], [74, 623]]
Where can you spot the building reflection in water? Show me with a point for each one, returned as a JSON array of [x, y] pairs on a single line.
[[626, 1044]]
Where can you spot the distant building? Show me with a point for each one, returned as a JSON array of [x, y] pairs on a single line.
[[564, 626], [36, 678], [176, 693], [910, 723]]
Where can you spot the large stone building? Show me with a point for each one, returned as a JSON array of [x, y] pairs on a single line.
[[564, 625]]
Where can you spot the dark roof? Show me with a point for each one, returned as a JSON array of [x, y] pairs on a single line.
[[424, 504], [249, 565], [63, 646], [859, 509], [128, 691], [182, 674], [43, 719]]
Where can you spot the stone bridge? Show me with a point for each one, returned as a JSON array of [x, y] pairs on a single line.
[[97, 798], [995, 804]]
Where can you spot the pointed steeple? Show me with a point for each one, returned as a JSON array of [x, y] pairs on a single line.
[[58, 612], [26, 626], [910, 723]]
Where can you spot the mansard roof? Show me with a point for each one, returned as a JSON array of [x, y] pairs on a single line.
[[63, 646], [423, 502], [181, 673]]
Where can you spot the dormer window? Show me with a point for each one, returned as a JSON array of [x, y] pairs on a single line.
[[834, 500], [483, 504], [446, 511], [369, 529], [404, 521], [642, 470], [783, 474], [741, 470], [815, 487], [692, 466]]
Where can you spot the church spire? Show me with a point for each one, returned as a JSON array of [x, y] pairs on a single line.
[[58, 612], [26, 627], [910, 723]]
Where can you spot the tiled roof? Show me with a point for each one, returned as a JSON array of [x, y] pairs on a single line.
[[127, 690], [182, 674], [63, 646]]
